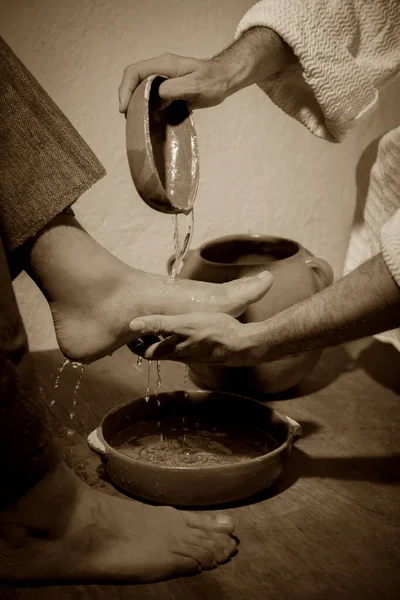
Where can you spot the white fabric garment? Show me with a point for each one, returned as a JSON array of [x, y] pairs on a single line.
[[346, 50]]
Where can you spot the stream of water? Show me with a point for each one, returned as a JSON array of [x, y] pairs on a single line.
[[81, 367], [180, 251]]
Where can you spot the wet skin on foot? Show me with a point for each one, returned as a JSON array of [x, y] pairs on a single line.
[[93, 295]]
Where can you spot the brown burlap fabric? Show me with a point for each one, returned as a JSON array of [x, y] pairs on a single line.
[[45, 165]]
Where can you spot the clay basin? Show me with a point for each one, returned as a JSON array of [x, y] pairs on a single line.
[[162, 150], [262, 441]]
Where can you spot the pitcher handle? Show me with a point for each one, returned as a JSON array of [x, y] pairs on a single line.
[[323, 271]]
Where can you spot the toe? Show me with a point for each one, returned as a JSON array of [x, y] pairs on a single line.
[[221, 545], [259, 285], [185, 565], [218, 523], [197, 550], [241, 293]]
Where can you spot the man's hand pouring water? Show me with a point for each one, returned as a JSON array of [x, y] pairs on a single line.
[[314, 78]]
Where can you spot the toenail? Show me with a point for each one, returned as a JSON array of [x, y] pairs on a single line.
[[223, 520], [264, 275], [235, 539]]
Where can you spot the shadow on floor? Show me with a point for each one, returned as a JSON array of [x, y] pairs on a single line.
[[382, 363], [100, 392], [332, 364]]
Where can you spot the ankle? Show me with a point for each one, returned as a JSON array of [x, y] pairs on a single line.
[[46, 509]]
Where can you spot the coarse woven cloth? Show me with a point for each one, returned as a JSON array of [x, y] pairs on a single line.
[[45, 165]]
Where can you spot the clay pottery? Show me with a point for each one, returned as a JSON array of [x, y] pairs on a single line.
[[162, 150], [194, 484], [297, 275]]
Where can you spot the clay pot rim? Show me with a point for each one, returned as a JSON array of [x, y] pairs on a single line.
[[235, 468], [246, 237], [187, 209]]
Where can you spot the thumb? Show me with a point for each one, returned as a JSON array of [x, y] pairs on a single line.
[[179, 88], [153, 324]]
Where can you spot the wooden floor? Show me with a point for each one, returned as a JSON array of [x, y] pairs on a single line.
[[328, 530]]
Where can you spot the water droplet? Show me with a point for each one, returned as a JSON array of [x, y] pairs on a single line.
[[158, 373], [81, 366], [59, 371], [185, 381], [139, 361], [147, 396], [70, 432], [176, 247]]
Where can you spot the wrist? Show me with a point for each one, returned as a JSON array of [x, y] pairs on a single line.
[[256, 344], [284, 334], [258, 54], [364, 302]]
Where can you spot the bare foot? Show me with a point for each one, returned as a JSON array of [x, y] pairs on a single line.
[[93, 296], [63, 532]]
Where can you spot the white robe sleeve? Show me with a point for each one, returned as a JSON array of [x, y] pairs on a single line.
[[390, 245], [346, 51]]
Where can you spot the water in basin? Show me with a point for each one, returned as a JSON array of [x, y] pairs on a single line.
[[179, 441]]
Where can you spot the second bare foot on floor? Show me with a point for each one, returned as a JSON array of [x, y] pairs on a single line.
[[93, 295], [63, 532]]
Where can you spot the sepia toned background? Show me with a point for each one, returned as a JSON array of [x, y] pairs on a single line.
[[260, 171]]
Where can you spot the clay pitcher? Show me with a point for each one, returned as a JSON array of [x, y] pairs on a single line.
[[297, 275]]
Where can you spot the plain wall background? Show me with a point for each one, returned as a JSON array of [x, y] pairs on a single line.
[[260, 170]]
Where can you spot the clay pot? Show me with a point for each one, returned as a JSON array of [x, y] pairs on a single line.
[[297, 275], [194, 485], [162, 150]]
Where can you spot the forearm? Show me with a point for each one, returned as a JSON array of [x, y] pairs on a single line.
[[365, 302], [345, 51], [257, 55]]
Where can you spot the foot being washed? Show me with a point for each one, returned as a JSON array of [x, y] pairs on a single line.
[[93, 296]]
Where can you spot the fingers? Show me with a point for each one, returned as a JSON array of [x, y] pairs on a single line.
[[135, 74], [154, 347], [180, 88], [172, 328], [130, 81], [139, 345], [169, 65], [155, 325], [163, 350]]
